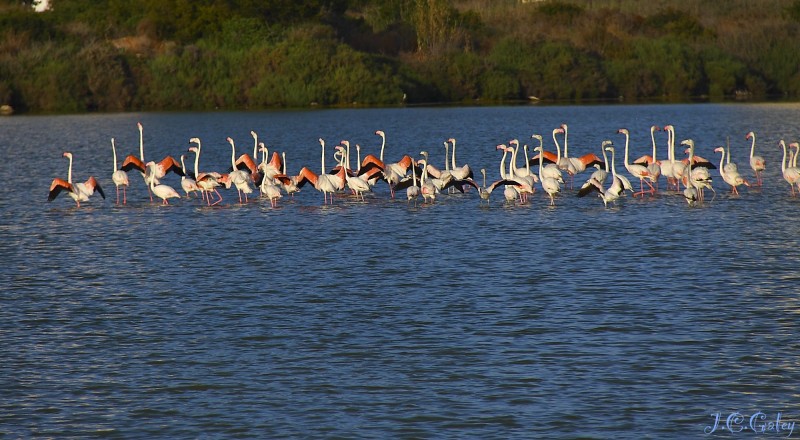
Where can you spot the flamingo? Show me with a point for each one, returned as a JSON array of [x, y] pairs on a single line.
[[188, 184], [619, 183], [549, 184], [119, 177], [757, 163], [579, 164], [427, 189], [80, 192], [161, 191], [652, 164], [691, 192], [207, 182], [240, 178], [526, 182], [413, 191], [729, 174], [289, 183], [459, 173], [790, 173], [324, 183], [550, 169], [247, 163], [699, 174], [162, 167], [639, 171], [485, 192], [358, 185]]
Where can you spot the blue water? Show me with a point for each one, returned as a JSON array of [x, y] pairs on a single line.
[[382, 319]]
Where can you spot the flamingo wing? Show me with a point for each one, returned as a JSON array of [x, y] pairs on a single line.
[[57, 186], [92, 184], [132, 162], [169, 163]]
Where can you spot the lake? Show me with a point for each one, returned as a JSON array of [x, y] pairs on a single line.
[[382, 319]]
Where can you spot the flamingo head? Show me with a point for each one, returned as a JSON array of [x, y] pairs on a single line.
[[655, 128], [380, 133], [623, 131], [688, 142], [750, 135], [559, 130], [67, 154], [610, 148], [195, 140], [719, 150], [606, 143], [501, 147], [537, 137]]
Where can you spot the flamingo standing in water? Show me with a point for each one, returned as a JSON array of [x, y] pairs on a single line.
[[639, 171], [324, 183], [652, 164], [757, 163], [549, 184], [790, 173], [427, 189], [730, 174], [119, 177], [207, 182], [80, 192], [188, 184], [413, 191], [691, 193], [162, 167], [161, 191], [578, 164], [239, 177]]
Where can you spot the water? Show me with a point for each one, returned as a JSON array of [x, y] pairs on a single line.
[[382, 319]]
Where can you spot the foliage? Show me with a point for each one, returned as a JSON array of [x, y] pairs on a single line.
[[117, 55]]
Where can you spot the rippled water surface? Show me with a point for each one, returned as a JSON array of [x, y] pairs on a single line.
[[381, 319]]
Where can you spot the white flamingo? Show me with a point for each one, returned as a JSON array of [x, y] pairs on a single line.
[[80, 191], [119, 177], [757, 163]]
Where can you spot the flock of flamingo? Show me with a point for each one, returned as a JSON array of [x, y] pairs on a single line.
[[422, 179]]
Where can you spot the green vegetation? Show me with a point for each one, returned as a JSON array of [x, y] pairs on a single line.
[[120, 55]]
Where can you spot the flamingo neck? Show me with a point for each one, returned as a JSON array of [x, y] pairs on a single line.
[[233, 154], [383, 144], [321, 142], [141, 143], [527, 165], [558, 149], [541, 161], [197, 162], [605, 158], [114, 151], [753, 146], [454, 154], [69, 171], [446, 154], [503, 164], [255, 145], [565, 141], [653, 140], [627, 139], [283, 155]]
